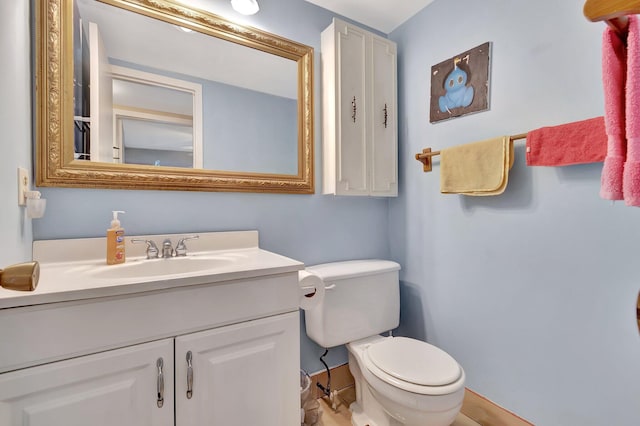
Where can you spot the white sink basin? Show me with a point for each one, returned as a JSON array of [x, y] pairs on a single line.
[[139, 268]]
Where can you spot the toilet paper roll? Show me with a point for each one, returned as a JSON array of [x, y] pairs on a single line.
[[311, 290]]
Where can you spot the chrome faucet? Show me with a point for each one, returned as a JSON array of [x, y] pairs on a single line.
[[181, 248], [167, 248], [152, 249]]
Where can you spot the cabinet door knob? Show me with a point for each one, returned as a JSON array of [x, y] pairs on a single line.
[[160, 364], [189, 375], [354, 109], [385, 115]]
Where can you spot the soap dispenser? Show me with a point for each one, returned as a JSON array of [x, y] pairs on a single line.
[[115, 241]]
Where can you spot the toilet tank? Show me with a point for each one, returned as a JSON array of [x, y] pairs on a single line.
[[361, 299]]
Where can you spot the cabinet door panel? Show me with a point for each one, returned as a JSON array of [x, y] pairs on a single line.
[[117, 387], [384, 146], [352, 150], [243, 374]]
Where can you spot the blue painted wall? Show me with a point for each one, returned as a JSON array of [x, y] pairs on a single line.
[[533, 291], [15, 122], [249, 131]]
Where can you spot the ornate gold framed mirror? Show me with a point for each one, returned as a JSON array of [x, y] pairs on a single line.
[[269, 116]]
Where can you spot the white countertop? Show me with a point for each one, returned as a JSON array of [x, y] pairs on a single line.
[[76, 269]]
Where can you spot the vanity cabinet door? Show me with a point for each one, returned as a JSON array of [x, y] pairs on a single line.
[[242, 374], [113, 388]]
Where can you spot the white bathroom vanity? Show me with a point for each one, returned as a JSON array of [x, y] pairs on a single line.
[[213, 340]]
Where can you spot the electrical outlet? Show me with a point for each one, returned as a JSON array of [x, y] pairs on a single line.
[[23, 185]]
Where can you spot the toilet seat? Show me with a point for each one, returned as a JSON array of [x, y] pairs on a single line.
[[413, 365]]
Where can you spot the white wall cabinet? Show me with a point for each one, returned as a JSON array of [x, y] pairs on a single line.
[[359, 100]]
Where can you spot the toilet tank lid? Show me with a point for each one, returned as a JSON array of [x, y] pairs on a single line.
[[352, 268]]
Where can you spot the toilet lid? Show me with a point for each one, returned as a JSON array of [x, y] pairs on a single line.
[[414, 361]]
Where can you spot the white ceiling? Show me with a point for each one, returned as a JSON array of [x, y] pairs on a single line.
[[383, 15]]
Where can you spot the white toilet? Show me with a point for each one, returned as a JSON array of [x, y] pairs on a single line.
[[399, 381]]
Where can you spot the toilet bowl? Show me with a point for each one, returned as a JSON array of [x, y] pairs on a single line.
[[398, 380], [401, 381]]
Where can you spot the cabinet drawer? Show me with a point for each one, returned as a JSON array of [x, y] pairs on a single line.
[[46, 333]]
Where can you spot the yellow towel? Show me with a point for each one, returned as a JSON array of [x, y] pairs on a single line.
[[479, 168]]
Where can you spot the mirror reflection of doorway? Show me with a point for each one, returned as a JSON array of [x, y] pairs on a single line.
[[154, 142], [114, 102]]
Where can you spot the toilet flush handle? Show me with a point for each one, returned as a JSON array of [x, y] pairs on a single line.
[[329, 287]]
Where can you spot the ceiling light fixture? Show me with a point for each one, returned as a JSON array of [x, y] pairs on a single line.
[[246, 7]]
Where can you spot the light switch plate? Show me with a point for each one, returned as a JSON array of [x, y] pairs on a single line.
[[23, 185]]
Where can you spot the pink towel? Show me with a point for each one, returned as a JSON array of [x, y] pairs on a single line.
[[573, 143], [614, 64], [631, 176]]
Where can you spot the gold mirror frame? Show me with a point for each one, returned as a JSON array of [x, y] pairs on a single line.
[[55, 164]]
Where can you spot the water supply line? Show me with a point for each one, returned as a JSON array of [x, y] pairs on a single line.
[[326, 390]]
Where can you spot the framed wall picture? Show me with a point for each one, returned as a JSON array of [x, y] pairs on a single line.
[[460, 85]]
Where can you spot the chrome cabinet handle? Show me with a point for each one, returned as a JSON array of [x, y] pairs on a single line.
[[354, 109], [160, 364], [385, 115], [189, 375]]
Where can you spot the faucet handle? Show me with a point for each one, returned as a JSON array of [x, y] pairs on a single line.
[[152, 249], [181, 248]]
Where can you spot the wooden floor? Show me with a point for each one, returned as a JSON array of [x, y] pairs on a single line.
[[342, 417]]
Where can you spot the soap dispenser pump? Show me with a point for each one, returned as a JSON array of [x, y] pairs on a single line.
[[115, 241]]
